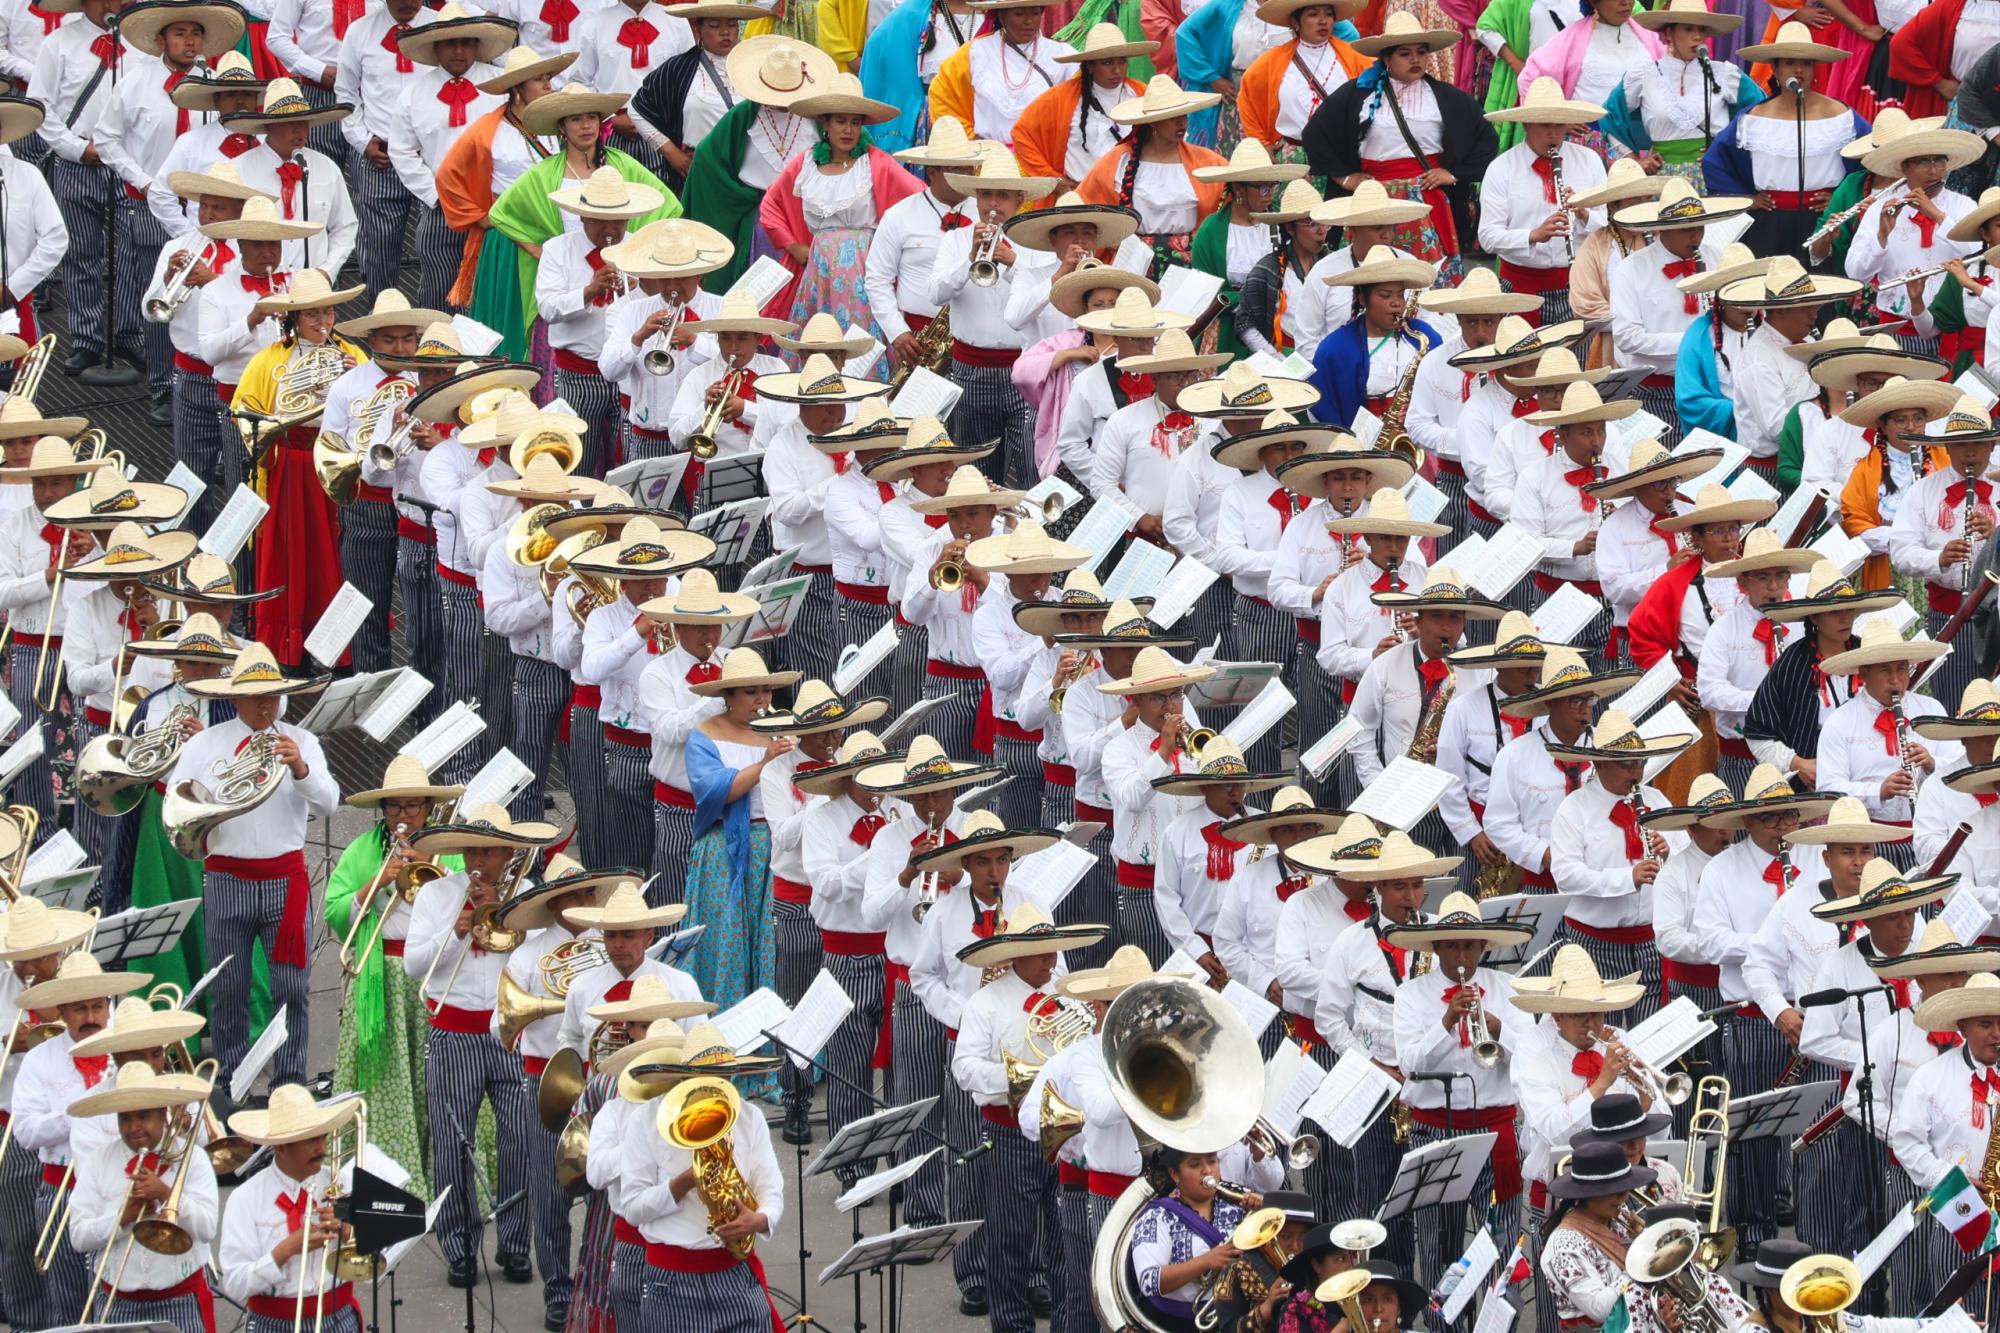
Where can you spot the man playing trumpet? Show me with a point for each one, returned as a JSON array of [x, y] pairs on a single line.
[[942, 593]]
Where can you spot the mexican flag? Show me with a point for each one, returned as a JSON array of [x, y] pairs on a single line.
[[1959, 1209]]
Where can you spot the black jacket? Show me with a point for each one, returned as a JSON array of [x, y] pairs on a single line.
[[1333, 136]]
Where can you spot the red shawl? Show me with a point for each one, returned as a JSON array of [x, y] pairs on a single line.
[[1656, 620], [1920, 55]]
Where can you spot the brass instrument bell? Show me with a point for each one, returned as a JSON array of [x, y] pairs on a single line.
[[519, 1009]]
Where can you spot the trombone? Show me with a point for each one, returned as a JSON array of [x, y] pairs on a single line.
[[408, 882], [485, 930], [159, 1230], [91, 447], [985, 268], [659, 356]]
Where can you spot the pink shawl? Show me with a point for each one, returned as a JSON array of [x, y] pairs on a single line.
[[1047, 393], [1562, 58], [783, 213]]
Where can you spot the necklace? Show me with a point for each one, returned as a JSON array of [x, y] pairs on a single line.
[[782, 149], [1027, 56]]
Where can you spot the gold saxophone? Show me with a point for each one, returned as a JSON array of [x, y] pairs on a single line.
[[1394, 436], [933, 350], [1399, 1110], [1424, 743], [1989, 1170]]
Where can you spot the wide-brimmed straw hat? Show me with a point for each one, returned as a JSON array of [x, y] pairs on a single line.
[[220, 181], [1681, 205], [1625, 182], [1080, 594], [1126, 625], [822, 334], [1958, 147], [255, 674], [1574, 987], [137, 1026], [1765, 549], [231, 73], [1714, 504], [292, 1116], [1402, 29], [200, 638], [546, 113], [1245, 391], [1126, 968], [1172, 351], [310, 289], [626, 908], [405, 778], [844, 97], [1154, 672], [1243, 451], [455, 23], [817, 384], [1515, 341], [1220, 764], [984, 831], [20, 419], [1706, 795], [861, 749], [776, 71], [1615, 738], [1027, 933], [1768, 792], [1559, 368], [129, 553], [524, 63], [1544, 104], [1968, 422], [1355, 844], [1784, 283], [819, 707], [1516, 642], [999, 170], [392, 310], [1581, 403], [1891, 122], [136, 1088], [1163, 100], [1369, 205], [485, 826], [1848, 822], [607, 196], [1840, 368], [1308, 474], [1880, 643], [1884, 890], [705, 1051], [1901, 394], [744, 669], [1069, 292], [1690, 14], [699, 600], [644, 550], [1386, 271], [1445, 589], [543, 479], [110, 500], [532, 909], [78, 978], [1564, 676], [1978, 715], [1793, 42], [1827, 589], [1028, 549], [1458, 922], [948, 146], [223, 25], [1938, 950], [741, 314], [1291, 806], [208, 578], [260, 221], [924, 767], [1979, 997], [1618, 1117], [1651, 462], [968, 489], [874, 431], [1734, 264], [284, 104], [1479, 294], [1250, 164], [1281, 12], [33, 929], [1033, 230], [1132, 315], [1106, 41]]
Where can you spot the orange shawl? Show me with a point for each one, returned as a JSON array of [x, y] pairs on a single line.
[[1861, 508], [1101, 185], [465, 194], [1257, 99], [1042, 134]]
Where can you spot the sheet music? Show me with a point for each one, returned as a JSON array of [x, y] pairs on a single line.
[[1083, 832], [1188, 291], [730, 522], [1670, 1033], [1234, 684], [1899, 617], [259, 1055], [860, 363], [498, 781], [338, 624], [1180, 590], [1278, 1072], [1666, 720], [872, 1187], [25, 750], [1403, 793], [207, 978], [1979, 385], [743, 1024], [925, 394], [184, 477], [1139, 572], [1508, 557], [1953, 1320], [1566, 613], [1134, 256], [1255, 1009], [1049, 875], [1846, 553], [1497, 1315], [911, 722], [233, 526], [1792, 510], [652, 482], [1287, 1108], [1319, 758], [454, 729], [1871, 1258], [1480, 1256], [763, 280], [818, 1014], [1962, 912], [1108, 520], [1262, 713], [1348, 1100], [1647, 691], [1700, 441], [396, 704], [9, 715], [1641, 425], [1747, 485], [778, 606], [859, 660], [771, 568], [1426, 501], [58, 856]]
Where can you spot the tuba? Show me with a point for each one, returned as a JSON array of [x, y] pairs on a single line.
[[1662, 1261], [192, 810], [1819, 1287], [529, 544], [113, 771]]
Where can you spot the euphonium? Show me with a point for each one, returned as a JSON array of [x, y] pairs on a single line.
[[192, 810], [696, 1117], [1662, 1261], [529, 544], [553, 441], [1819, 1287]]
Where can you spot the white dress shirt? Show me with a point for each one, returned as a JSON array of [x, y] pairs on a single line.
[[1932, 1129], [1140, 814], [1186, 899], [1469, 738], [1438, 399], [321, 197], [91, 646], [420, 128], [1518, 446], [978, 314], [1355, 1005], [607, 65], [1246, 926], [1424, 1045], [1631, 557], [1832, 1032], [647, 398], [1256, 510], [1925, 522], [852, 515], [1555, 1100], [1675, 893], [995, 1021], [49, 1081], [690, 406], [614, 658], [1137, 454], [1192, 514], [253, 1225], [1091, 720], [64, 66], [885, 902], [370, 78], [1735, 898], [280, 823], [595, 986], [1829, 447], [1326, 307], [669, 710], [1514, 202], [1648, 312], [1524, 790], [1787, 951], [539, 1040], [1940, 811], [683, 1222], [22, 31], [33, 227], [466, 976], [1854, 757], [515, 608], [1352, 627], [1388, 703], [1587, 857], [301, 36], [142, 122], [1767, 383], [797, 477], [944, 614], [898, 270], [1732, 664], [575, 324], [102, 1181], [1551, 506], [836, 865], [1870, 258]]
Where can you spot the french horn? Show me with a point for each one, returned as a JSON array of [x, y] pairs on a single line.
[[113, 771], [193, 809]]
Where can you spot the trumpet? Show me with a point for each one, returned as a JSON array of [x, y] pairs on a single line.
[[659, 357], [702, 443], [1486, 1050], [1298, 1150], [1048, 511], [176, 289], [1084, 664], [927, 887], [985, 268], [948, 576]]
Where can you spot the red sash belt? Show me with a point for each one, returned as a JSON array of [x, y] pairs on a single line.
[[1658, 382], [1611, 934], [1535, 281], [1058, 775], [97, 717], [1537, 879], [1001, 1116], [533, 1065], [446, 1018], [968, 355], [885, 1040], [182, 361], [1970, 340], [1549, 583], [1765, 463], [575, 363], [677, 1260], [415, 531], [1349, 687], [1309, 628], [1479, 511], [1690, 974], [953, 671], [450, 575], [649, 433], [1095, 814], [1734, 746], [918, 323], [52, 1174], [27, 640], [195, 1284], [1945, 601], [787, 890], [586, 696], [1408, 168], [1303, 1029], [627, 736], [1451, 467], [626, 1234], [873, 594], [380, 495], [985, 726], [286, 1307], [1014, 731], [682, 800], [853, 943], [290, 867], [393, 948], [1071, 1176], [1134, 876], [803, 568], [1107, 1184], [1506, 1148], [1793, 201]]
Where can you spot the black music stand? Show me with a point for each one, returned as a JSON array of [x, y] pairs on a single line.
[[1437, 1174], [383, 1217], [732, 525], [1780, 1113], [1543, 911], [891, 1250], [143, 932]]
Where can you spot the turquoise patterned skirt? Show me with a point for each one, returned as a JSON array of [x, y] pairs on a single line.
[[737, 954], [833, 282]]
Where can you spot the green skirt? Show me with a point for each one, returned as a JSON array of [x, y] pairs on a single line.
[[162, 875], [398, 1116]]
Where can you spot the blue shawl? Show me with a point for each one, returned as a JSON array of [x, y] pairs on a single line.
[[1340, 369], [1698, 395], [1725, 167], [709, 779], [1625, 125], [1204, 51], [889, 73]]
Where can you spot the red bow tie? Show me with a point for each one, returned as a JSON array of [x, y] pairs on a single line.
[[142, 1161], [1766, 633], [221, 256], [1926, 229], [174, 76], [344, 14], [1572, 775], [805, 766], [701, 673], [1775, 876], [1985, 798], [395, 48], [1465, 388], [935, 521], [92, 1067], [105, 47], [1171, 427], [1386, 583], [53, 535], [457, 93], [1357, 909], [1523, 406], [1432, 672], [293, 1206], [841, 461], [1945, 1041], [1685, 268], [1548, 442], [1623, 819], [1587, 1065], [746, 389], [636, 35], [1673, 544], [1134, 386], [888, 493], [1397, 957], [1901, 986], [1953, 504], [864, 830], [986, 922], [619, 992], [953, 220], [50, 22], [1288, 505], [558, 15], [1546, 169], [1982, 1089], [261, 286], [1155, 748], [236, 145], [1581, 477], [289, 176], [596, 261], [1516, 726], [1221, 853], [1290, 885], [1885, 723]]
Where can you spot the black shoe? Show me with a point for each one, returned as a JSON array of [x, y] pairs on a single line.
[[110, 373], [461, 1274], [971, 1306], [555, 1316], [517, 1271], [798, 1121], [1039, 1302], [79, 360], [162, 413]]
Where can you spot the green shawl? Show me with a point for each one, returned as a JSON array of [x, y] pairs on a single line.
[[1508, 18], [717, 195], [503, 296], [1208, 252], [1093, 12], [354, 871]]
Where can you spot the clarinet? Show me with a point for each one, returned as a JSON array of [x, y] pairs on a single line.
[[1562, 200], [1971, 503]]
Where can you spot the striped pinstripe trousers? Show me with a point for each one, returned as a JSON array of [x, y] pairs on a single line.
[[496, 684], [967, 1187], [107, 839], [235, 914], [1320, 709], [628, 811], [635, 446], [1960, 668], [1019, 803], [1735, 770], [595, 399], [1659, 400], [548, 1205], [384, 207], [584, 763], [731, 1301], [1211, 618], [852, 1048], [1615, 960], [440, 250], [1830, 1182], [36, 785], [1139, 924], [343, 1320], [20, 1284], [1919, 1266], [1019, 1190], [860, 622], [1546, 1320], [181, 1312], [1094, 899], [68, 1278], [811, 646], [1706, 1057], [541, 692], [459, 647], [908, 677], [140, 238], [207, 443], [1753, 1053], [1058, 804], [461, 1068], [1457, 512], [368, 550], [92, 200], [417, 615], [1377, 1157], [1263, 633], [329, 140], [992, 408], [953, 725], [795, 939], [918, 1071], [671, 845], [628, 1283], [1442, 1233], [1072, 1314]]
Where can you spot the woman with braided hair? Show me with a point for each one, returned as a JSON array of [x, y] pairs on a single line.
[[1152, 171], [1069, 127], [1233, 241]]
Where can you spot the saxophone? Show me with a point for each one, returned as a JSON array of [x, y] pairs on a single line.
[[1424, 743], [1989, 1170], [933, 350], [1399, 1110], [1394, 437]]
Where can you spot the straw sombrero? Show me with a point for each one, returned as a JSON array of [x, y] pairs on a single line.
[[546, 113], [1764, 549], [292, 1116], [1105, 41], [821, 333], [33, 929], [1291, 806], [999, 170], [1766, 792], [284, 104], [1714, 504], [968, 489], [1827, 589], [626, 908], [844, 97], [1444, 590], [1386, 271], [137, 1026], [861, 749], [1033, 230], [455, 23], [644, 550], [1978, 715], [532, 909], [1028, 549], [1126, 968], [1370, 206], [524, 63], [1847, 822], [211, 579], [1564, 676], [1900, 394], [199, 639], [484, 826], [984, 831], [1220, 764], [1515, 340], [1958, 147], [1402, 29], [1163, 100], [1545, 104], [1706, 795], [255, 674], [1308, 473], [744, 669], [1574, 987], [405, 778], [79, 978], [1069, 292], [1581, 403], [1250, 164], [1939, 950], [1245, 391], [1884, 889], [1690, 14], [20, 419], [136, 1088], [1125, 626], [1784, 283], [1399, 857], [1479, 294], [199, 89], [948, 145], [1387, 514], [1243, 452], [1681, 205], [260, 221], [1979, 997], [1841, 368], [1458, 922], [1735, 263], [1614, 738], [818, 707], [1154, 672], [220, 181], [129, 554], [1651, 462], [1516, 642], [741, 314], [1027, 933], [1132, 315], [1881, 643], [1558, 368], [776, 71], [392, 310], [923, 768], [607, 196], [699, 600], [1794, 42], [818, 384], [310, 289]]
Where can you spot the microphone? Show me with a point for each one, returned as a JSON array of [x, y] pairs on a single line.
[[984, 1145], [1795, 88], [512, 1200], [1724, 1010], [1434, 1078], [1837, 995]]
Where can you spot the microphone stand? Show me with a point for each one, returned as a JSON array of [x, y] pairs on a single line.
[[1864, 1086]]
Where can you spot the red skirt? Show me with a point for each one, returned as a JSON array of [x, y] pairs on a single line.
[[298, 548]]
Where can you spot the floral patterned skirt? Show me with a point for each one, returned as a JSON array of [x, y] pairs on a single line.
[[738, 954], [1426, 237], [833, 282], [398, 1114]]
